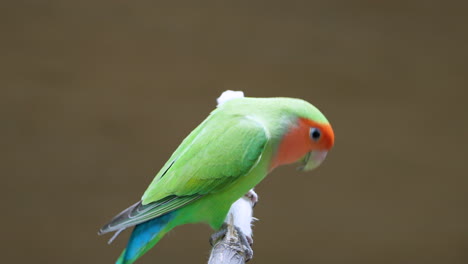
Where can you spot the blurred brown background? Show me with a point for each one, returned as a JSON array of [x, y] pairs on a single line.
[[97, 94]]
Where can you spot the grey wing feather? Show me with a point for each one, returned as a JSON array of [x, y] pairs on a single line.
[[139, 213]]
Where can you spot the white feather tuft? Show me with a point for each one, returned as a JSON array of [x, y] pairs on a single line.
[[241, 212], [229, 95]]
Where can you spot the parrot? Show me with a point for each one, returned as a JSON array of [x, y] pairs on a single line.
[[241, 141]]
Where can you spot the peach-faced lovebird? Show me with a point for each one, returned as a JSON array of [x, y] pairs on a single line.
[[229, 153]]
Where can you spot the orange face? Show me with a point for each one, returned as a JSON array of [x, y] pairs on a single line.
[[304, 139]]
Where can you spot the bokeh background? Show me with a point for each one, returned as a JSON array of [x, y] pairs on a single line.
[[95, 95]]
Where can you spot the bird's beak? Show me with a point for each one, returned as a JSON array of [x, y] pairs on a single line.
[[313, 159]]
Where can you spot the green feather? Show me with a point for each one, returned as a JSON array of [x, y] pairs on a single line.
[[224, 150], [226, 145]]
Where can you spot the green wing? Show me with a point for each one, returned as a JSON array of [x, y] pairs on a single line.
[[222, 151], [219, 151]]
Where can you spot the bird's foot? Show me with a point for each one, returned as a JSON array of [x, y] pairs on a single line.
[[253, 196], [218, 235], [245, 242]]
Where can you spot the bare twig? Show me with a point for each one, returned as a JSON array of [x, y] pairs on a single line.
[[231, 243]]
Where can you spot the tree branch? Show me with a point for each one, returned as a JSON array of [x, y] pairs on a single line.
[[231, 243]]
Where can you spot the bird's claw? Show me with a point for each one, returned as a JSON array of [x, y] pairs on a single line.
[[218, 235], [245, 242]]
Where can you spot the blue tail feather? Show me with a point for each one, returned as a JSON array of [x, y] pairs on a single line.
[[143, 236]]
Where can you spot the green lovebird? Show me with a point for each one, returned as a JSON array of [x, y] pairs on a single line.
[[228, 154]]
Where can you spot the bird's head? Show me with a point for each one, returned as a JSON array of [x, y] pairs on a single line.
[[305, 135], [307, 138]]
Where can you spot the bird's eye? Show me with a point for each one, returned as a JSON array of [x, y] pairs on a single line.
[[315, 133]]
